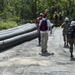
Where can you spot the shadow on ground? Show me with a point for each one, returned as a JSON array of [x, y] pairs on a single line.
[[46, 54], [72, 59]]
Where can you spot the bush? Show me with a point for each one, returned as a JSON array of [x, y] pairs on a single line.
[[7, 24], [33, 21], [15, 18]]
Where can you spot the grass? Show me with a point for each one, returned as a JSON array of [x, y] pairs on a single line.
[[7, 24]]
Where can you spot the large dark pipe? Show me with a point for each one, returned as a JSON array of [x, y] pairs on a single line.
[[18, 31], [28, 25], [4, 44]]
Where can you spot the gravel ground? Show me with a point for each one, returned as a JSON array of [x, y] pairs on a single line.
[[27, 59]]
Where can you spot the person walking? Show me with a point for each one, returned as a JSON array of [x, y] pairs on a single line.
[[44, 26], [56, 18], [65, 25], [37, 23], [71, 37], [60, 19]]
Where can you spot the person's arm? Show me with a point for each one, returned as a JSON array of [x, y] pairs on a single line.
[[36, 23], [62, 25], [50, 30], [50, 26], [39, 25]]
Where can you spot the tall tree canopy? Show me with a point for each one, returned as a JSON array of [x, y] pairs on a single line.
[[30, 9]]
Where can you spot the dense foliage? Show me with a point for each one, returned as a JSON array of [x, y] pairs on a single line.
[[16, 10]]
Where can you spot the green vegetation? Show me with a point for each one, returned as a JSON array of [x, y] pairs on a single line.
[[7, 24], [18, 10]]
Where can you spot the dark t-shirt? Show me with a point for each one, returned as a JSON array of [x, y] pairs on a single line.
[[65, 26], [37, 21]]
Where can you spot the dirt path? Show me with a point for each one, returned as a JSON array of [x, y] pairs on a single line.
[[26, 58]]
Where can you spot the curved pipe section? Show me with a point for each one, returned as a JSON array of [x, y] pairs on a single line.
[[25, 27], [22, 30], [18, 39]]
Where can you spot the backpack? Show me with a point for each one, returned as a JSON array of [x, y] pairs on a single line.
[[44, 26], [56, 16], [71, 33]]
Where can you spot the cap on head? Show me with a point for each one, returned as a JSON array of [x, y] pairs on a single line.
[[41, 14], [59, 12], [45, 15], [55, 12], [72, 23], [66, 19]]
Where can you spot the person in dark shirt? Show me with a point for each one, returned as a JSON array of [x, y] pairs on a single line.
[[71, 37], [65, 25], [37, 23], [56, 18], [60, 19]]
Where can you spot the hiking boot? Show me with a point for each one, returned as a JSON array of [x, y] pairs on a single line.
[[45, 50], [39, 45], [72, 56], [64, 45], [67, 45], [42, 50]]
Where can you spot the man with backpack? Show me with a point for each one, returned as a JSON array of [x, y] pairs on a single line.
[[71, 37], [37, 23], [44, 26]]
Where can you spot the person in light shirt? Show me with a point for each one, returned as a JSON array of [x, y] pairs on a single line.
[[65, 25], [44, 27]]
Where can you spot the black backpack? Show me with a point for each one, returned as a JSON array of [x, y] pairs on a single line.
[[44, 26], [71, 33], [56, 16]]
